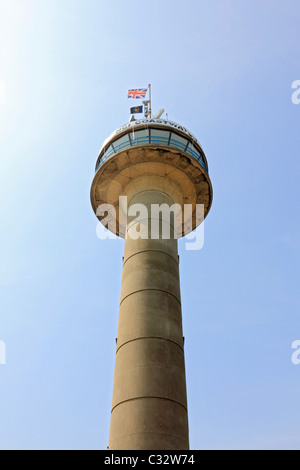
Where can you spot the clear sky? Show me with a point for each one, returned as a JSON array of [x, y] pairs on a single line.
[[223, 69]]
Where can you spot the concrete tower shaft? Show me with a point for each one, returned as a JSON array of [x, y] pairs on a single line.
[[149, 408], [150, 162]]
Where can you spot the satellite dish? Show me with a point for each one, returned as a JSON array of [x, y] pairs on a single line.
[[159, 113], [132, 118]]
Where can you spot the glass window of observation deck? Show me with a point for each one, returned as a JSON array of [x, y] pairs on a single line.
[[121, 142], [141, 136], [159, 136], [193, 151], [177, 140]]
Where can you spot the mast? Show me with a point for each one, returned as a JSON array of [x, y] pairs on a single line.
[[149, 87]]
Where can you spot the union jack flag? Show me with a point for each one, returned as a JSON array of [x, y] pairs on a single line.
[[137, 93]]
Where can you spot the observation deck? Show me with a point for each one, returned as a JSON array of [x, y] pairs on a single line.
[[165, 152], [154, 132]]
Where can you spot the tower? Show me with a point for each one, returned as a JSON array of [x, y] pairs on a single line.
[[144, 168]]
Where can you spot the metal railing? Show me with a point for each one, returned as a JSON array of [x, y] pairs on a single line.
[[151, 140]]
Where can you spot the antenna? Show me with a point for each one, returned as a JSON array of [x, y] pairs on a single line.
[[159, 113]]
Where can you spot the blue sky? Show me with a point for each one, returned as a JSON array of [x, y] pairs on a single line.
[[223, 69]]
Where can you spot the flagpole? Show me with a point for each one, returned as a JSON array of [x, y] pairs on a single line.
[[149, 86]]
